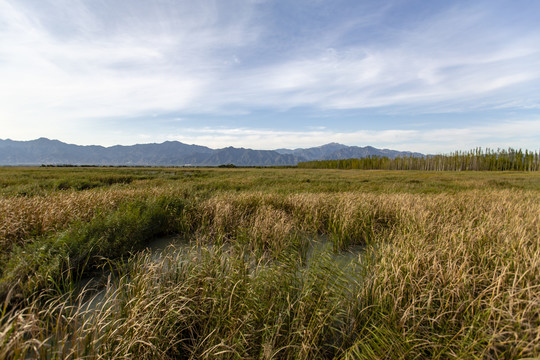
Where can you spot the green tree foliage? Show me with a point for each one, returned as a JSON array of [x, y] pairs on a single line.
[[473, 160]]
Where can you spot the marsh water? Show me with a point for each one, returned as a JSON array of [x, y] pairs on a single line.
[[95, 287]]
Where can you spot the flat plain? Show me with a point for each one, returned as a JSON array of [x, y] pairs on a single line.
[[275, 263]]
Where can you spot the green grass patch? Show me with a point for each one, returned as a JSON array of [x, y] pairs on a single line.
[[87, 245], [445, 264]]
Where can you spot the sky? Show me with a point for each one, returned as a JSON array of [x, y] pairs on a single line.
[[426, 76]]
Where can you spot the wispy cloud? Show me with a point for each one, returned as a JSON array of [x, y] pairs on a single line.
[[66, 66], [443, 140], [125, 72], [440, 65]]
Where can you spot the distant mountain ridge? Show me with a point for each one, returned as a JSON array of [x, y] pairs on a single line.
[[335, 151], [173, 153]]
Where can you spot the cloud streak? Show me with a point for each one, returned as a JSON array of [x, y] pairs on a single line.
[[499, 135], [69, 65], [86, 76]]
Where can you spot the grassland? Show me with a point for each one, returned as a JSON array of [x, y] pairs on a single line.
[[281, 263]]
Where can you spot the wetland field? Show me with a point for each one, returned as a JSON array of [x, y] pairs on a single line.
[[268, 263]]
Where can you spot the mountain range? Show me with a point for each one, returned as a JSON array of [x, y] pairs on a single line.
[[174, 153]]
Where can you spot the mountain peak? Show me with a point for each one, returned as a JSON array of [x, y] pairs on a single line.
[[333, 144], [172, 153]]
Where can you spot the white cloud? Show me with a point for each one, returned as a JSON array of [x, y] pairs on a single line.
[[439, 66], [51, 78], [520, 133], [65, 65]]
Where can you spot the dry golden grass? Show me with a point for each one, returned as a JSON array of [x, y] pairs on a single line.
[[448, 262], [446, 275], [22, 218]]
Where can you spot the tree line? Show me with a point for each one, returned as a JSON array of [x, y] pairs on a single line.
[[474, 160]]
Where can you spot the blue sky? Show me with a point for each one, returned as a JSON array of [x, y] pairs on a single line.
[[427, 76]]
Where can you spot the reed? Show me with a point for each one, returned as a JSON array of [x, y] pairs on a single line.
[[269, 273]]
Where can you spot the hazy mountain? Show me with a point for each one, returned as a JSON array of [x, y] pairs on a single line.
[[45, 151], [314, 153], [247, 157], [335, 151], [167, 153], [174, 153], [350, 152]]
